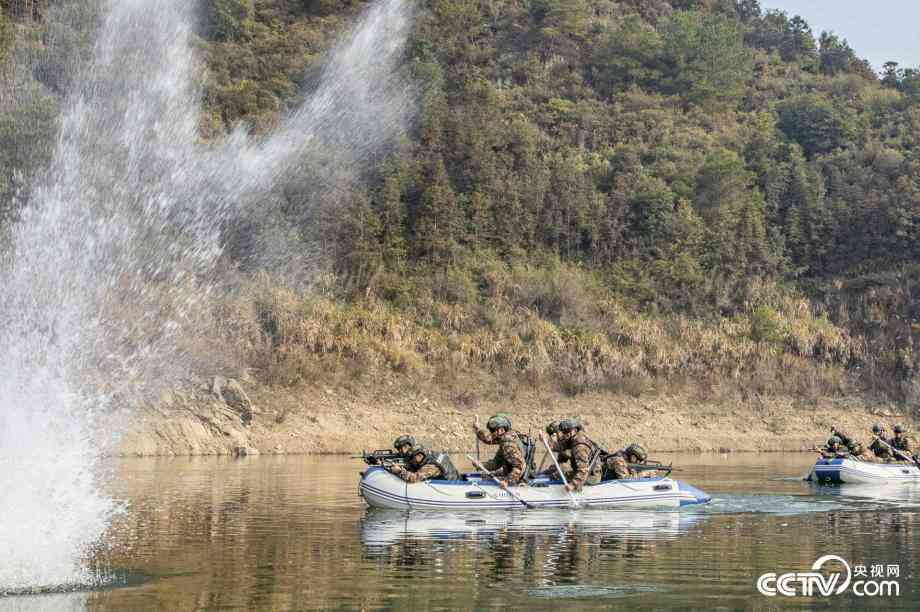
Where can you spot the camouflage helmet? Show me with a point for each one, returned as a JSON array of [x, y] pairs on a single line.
[[552, 428], [636, 450], [499, 420], [898, 429], [878, 428], [834, 441], [567, 425], [404, 440]]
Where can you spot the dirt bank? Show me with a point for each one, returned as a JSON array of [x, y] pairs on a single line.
[[200, 420]]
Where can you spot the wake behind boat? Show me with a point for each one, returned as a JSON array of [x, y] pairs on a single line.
[[382, 489]]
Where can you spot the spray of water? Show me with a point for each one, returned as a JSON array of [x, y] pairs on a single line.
[[114, 260]]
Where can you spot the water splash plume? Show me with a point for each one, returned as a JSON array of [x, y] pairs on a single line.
[[115, 257]]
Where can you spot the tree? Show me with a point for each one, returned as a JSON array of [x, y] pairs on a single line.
[[835, 54], [228, 19], [391, 211], [358, 242], [816, 123], [707, 58], [891, 76], [748, 10], [630, 55], [722, 183], [439, 224]]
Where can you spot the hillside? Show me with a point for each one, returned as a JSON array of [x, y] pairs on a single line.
[[631, 197]]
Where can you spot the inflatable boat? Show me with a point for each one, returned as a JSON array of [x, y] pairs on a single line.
[[381, 489], [850, 471]]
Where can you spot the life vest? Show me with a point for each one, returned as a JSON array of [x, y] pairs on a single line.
[[879, 449], [582, 439], [443, 462]]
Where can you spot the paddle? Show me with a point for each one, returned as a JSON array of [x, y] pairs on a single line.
[[482, 469], [903, 456], [558, 469]]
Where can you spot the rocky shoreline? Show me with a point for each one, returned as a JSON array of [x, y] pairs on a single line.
[[226, 417]]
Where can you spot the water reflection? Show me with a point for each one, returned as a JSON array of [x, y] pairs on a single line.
[[869, 496], [386, 527], [278, 533]]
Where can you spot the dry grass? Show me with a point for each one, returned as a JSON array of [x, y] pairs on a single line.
[[536, 328]]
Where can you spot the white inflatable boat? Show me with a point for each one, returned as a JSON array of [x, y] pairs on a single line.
[[384, 490], [850, 471]]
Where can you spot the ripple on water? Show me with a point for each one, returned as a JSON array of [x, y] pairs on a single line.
[[579, 591]]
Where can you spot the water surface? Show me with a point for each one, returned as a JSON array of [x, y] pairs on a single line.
[[278, 533]]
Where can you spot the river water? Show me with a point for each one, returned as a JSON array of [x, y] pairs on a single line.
[[289, 532]]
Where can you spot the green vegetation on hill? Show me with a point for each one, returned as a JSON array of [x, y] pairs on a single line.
[[693, 168]]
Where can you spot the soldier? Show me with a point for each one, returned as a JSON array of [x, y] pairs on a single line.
[[834, 448], [423, 464], [900, 441], [571, 438], [852, 444], [562, 457], [404, 445], [880, 443], [509, 460], [617, 464]]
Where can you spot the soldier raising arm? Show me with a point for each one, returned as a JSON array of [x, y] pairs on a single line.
[[509, 460]]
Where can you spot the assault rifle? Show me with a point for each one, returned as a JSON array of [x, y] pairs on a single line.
[[828, 454], [381, 457], [649, 466]]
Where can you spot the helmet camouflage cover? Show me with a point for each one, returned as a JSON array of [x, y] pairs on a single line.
[[568, 425], [636, 450], [499, 420], [404, 440], [552, 428], [898, 429], [834, 441], [878, 428]]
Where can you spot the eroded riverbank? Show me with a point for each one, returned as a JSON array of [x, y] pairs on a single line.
[[200, 421]]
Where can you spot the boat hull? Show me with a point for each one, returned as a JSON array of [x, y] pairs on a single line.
[[381, 489], [850, 471]]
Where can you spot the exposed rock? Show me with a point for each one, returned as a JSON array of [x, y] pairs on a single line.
[[232, 394]]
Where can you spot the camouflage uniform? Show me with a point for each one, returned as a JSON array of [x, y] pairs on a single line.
[[509, 460], [880, 450], [835, 452], [855, 447], [435, 466], [901, 443], [562, 458], [429, 471], [618, 468], [582, 450]]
